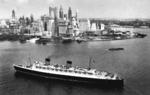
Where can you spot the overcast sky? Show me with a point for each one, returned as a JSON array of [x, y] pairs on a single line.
[[87, 8]]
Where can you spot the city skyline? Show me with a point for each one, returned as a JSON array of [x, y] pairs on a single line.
[[120, 9]]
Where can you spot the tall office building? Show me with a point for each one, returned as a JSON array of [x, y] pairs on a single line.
[[13, 14], [53, 12], [61, 13], [56, 13], [76, 14], [69, 13]]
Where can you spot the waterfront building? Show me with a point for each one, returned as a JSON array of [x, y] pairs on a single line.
[[62, 27], [102, 26], [75, 26], [48, 26], [115, 27], [53, 23], [74, 22], [93, 27], [51, 27], [45, 20], [84, 25], [37, 28], [50, 22], [70, 30], [14, 23], [3, 24], [22, 21], [122, 29]]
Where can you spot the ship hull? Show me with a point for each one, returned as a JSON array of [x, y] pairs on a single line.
[[88, 81]]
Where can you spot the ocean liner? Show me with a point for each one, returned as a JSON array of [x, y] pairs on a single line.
[[69, 73]]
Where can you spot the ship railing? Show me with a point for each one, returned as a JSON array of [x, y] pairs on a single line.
[[89, 73], [80, 72], [84, 71], [65, 70], [20, 65], [56, 66]]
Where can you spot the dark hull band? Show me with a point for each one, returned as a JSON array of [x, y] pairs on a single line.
[[96, 82]]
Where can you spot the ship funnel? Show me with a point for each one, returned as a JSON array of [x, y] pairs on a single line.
[[47, 60], [68, 64]]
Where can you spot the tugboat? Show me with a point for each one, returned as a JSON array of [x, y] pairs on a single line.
[[67, 38], [139, 35], [80, 39], [71, 74], [43, 40]]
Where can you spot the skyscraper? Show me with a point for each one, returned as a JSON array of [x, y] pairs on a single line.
[[61, 13], [53, 12], [13, 14], [56, 13], [76, 13], [69, 13]]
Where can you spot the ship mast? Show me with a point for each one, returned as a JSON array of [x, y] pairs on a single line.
[[90, 60], [30, 61]]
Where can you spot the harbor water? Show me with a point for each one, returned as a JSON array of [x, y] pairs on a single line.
[[132, 63]]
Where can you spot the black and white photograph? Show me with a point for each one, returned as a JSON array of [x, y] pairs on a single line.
[[74, 47]]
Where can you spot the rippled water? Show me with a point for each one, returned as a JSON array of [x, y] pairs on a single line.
[[133, 64]]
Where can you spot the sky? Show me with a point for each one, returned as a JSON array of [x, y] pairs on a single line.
[[119, 9]]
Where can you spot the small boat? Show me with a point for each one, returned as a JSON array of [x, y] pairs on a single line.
[[71, 73], [66, 39], [79, 40], [33, 40], [115, 49], [43, 40], [139, 35]]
